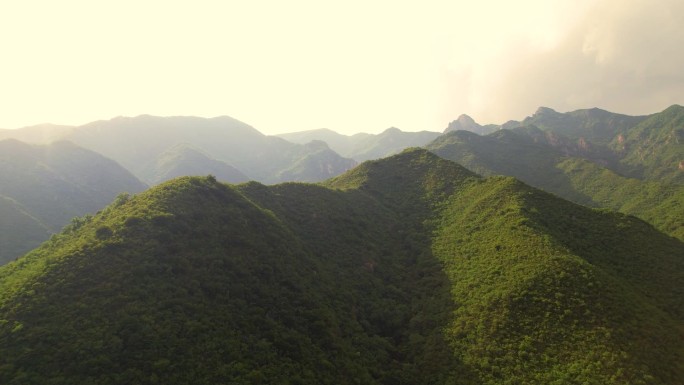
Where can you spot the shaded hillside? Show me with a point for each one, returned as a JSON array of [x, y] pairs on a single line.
[[183, 160], [405, 270], [137, 143], [49, 185], [362, 147]]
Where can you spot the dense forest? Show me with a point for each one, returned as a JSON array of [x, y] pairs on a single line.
[[410, 269]]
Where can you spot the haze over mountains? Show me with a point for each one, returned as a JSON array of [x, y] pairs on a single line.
[[43, 187], [362, 147]]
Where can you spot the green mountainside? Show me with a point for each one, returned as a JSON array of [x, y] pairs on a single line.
[[654, 149], [661, 204], [580, 173], [46, 186], [405, 270], [594, 125]]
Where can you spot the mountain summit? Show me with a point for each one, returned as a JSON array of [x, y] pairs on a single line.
[[466, 123]]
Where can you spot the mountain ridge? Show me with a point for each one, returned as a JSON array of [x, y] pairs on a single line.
[[403, 270]]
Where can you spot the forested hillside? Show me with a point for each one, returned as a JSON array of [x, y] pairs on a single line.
[[576, 169], [405, 270]]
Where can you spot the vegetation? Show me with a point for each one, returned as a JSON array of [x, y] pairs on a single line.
[[654, 149], [593, 125], [405, 270], [556, 164]]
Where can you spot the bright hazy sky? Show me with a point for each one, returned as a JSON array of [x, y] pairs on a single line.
[[350, 66]]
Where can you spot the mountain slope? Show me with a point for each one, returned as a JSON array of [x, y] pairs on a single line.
[[654, 149], [405, 270], [183, 160], [594, 125], [20, 232], [552, 292], [38, 134], [341, 144], [52, 184], [555, 164]]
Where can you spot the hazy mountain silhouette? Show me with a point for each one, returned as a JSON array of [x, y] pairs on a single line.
[[46, 186], [361, 147]]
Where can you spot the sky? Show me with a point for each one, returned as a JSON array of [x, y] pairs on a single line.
[[350, 66]]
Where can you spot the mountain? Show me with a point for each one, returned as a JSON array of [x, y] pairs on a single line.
[[19, 230], [38, 134], [362, 147], [556, 164], [405, 270], [320, 163], [390, 142], [44, 187], [594, 125], [183, 160], [654, 149], [466, 123], [341, 144], [643, 147], [138, 142]]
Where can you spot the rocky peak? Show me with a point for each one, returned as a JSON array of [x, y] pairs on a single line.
[[464, 122]]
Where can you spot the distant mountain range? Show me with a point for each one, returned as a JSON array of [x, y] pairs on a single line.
[[142, 143], [592, 157], [405, 270], [362, 147]]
